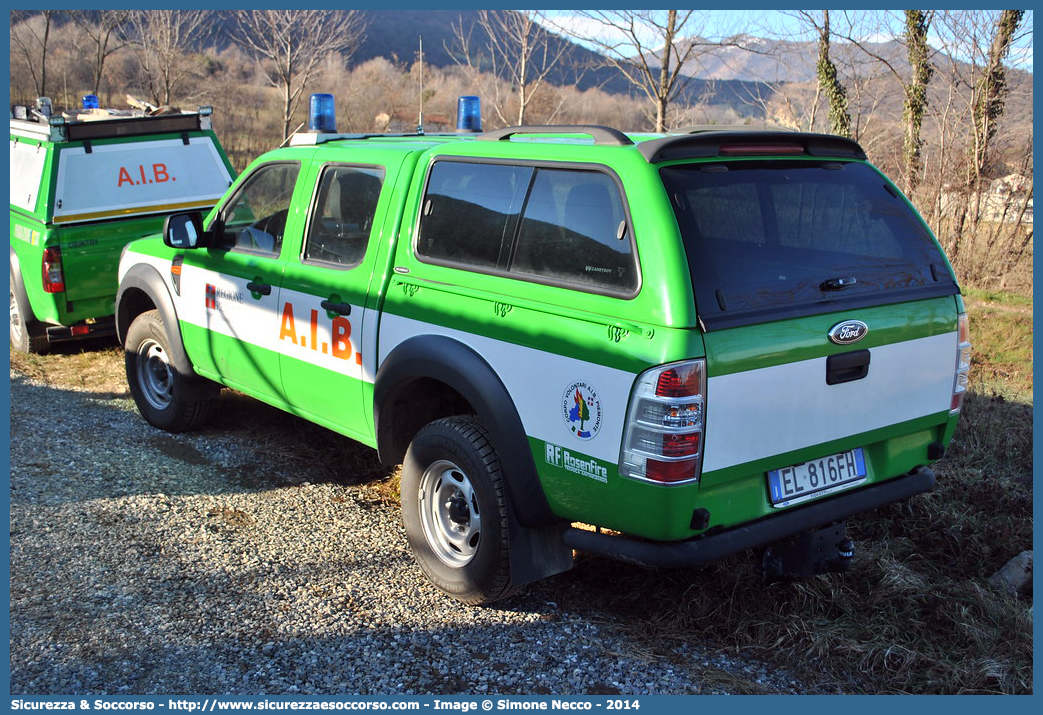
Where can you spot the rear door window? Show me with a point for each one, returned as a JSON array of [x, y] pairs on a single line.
[[771, 239], [338, 230]]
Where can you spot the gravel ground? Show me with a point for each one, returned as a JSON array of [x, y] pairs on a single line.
[[147, 563]]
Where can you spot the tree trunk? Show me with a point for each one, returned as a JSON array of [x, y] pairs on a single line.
[[839, 119], [991, 92], [916, 25]]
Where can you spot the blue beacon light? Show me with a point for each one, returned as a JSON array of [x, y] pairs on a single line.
[[90, 101], [322, 117], [469, 114]]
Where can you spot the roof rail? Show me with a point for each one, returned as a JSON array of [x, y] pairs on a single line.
[[600, 134], [706, 144], [60, 128]]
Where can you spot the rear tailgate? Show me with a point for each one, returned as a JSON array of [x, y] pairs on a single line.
[[770, 404], [91, 254], [830, 321], [111, 193]]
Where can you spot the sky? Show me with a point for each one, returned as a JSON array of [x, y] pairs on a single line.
[[784, 24]]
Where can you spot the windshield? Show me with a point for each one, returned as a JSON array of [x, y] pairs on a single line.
[[768, 239]]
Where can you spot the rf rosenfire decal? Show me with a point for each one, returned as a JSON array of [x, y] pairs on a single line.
[[581, 409]]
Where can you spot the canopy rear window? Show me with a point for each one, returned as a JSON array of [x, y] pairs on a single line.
[[770, 239]]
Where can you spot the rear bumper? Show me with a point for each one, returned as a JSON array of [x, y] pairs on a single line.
[[705, 549], [102, 327]]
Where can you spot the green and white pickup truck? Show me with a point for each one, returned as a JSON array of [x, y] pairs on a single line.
[[82, 186], [698, 343]]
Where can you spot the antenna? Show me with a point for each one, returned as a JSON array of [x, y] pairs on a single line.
[[420, 118]]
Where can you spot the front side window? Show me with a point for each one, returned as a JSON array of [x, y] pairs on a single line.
[[544, 224], [255, 218], [338, 230]]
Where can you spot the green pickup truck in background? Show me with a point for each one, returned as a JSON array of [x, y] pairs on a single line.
[[83, 185]]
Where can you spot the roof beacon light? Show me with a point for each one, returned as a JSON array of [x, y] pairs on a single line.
[[90, 101], [322, 118], [43, 106], [469, 114]]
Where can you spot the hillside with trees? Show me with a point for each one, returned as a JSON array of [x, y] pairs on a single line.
[[950, 122]]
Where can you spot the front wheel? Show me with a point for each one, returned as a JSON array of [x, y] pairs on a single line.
[[454, 506], [158, 389]]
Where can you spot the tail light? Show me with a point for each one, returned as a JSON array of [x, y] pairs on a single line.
[[53, 277], [663, 436], [963, 364]]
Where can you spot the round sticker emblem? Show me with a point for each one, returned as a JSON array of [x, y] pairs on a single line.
[[581, 409]]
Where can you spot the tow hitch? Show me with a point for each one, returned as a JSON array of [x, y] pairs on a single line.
[[825, 550]]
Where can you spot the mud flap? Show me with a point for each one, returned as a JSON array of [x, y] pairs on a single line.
[[537, 552]]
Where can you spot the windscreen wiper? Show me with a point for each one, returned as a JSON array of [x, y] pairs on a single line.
[[837, 283]]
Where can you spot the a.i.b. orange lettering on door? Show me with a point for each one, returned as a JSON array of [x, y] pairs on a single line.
[[339, 345]]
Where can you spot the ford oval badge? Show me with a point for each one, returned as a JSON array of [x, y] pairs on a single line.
[[850, 331]]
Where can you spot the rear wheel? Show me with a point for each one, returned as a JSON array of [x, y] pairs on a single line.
[[158, 389], [454, 506], [27, 335]]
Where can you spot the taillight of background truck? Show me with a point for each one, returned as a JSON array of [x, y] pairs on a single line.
[[963, 364], [663, 436], [53, 277]]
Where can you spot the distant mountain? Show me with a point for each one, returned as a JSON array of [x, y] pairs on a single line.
[[755, 59], [396, 35]]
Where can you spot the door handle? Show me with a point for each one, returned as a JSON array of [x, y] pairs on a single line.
[[338, 308], [847, 367], [261, 288]]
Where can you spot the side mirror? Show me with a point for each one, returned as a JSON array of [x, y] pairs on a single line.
[[184, 230]]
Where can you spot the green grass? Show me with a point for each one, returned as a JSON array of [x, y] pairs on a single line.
[[1001, 335]]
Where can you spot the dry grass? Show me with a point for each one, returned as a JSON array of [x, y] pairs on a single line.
[[915, 613], [94, 365]]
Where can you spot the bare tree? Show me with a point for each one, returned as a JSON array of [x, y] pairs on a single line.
[[104, 32], [990, 92], [917, 23], [985, 192], [32, 44], [648, 48], [516, 47], [293, 45], [163, 41], [828, 81]]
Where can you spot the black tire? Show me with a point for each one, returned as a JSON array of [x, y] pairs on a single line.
[[454, 507], [158, 389], [27, 334]]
